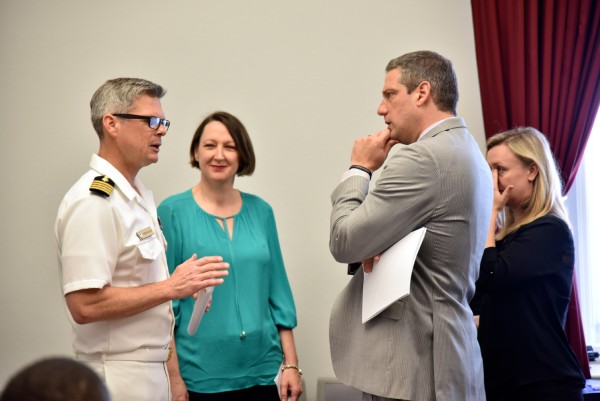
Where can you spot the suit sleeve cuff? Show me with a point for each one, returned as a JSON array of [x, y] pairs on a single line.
[[354, 171]]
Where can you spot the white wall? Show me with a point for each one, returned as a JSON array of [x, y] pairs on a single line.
[[304, 76]]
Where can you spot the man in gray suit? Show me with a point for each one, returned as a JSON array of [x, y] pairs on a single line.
[[423, 347]]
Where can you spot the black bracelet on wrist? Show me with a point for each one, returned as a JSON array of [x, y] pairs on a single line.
[[361, 168]]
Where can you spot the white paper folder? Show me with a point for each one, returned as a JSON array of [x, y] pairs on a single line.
[[199, 308], [390, 279]]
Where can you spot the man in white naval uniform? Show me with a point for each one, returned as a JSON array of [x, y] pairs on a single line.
[[111, 252]]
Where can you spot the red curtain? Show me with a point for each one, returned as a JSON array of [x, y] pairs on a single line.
[[539, 66]]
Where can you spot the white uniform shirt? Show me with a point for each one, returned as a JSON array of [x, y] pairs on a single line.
[[117, 241]]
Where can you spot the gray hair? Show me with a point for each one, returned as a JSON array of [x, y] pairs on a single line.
[[432, 67], [117, 96]]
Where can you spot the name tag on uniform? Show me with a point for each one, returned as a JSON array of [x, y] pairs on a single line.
[[145, 233]]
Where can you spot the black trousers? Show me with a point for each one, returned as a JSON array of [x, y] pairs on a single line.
[[257, 393], [545, 391]]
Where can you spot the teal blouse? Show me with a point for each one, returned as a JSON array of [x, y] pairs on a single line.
[[237, 344]]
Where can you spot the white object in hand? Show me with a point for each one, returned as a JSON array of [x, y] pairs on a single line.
[[278, 380], [199, 308]]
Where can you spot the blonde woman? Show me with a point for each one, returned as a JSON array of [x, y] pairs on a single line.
[[526, 273]]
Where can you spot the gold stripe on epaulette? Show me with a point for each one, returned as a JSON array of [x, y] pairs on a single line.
[[102, 185]]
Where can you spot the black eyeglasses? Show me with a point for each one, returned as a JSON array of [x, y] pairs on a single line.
[[153, 122]]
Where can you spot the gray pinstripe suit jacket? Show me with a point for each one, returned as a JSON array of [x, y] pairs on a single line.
[[424, 347]]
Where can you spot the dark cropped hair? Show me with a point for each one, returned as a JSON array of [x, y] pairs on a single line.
[[247, 160], [432, 67], [55, 379]]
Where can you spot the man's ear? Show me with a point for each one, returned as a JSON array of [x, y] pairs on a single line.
[[423, 92], [110, 124]]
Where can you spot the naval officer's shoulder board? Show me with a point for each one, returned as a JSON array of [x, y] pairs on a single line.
[[102, 186]]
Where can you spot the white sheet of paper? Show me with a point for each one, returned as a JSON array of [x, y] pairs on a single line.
[[278, 380], [390, 279], [199, 308]]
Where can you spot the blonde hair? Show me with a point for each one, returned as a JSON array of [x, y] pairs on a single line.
[[531, 147]]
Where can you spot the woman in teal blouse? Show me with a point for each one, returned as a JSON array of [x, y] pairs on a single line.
[[247, 337]]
